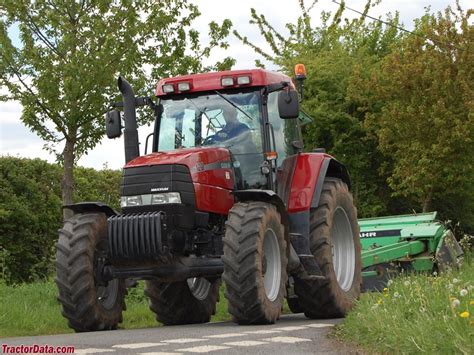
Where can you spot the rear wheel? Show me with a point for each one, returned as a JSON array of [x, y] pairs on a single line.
[[255, 260], [183, 302], [294, 305], [87, 303], [335, 244]]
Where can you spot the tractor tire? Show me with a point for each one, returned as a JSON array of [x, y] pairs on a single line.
[[255, 260], [87, 305], [185, 302], [335, 244]]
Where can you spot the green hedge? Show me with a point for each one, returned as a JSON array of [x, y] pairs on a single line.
[[30, 212]]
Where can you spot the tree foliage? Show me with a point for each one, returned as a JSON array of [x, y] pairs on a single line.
[[396, 108], [335, 53], [425, 90], [64, 72], [30, 212]]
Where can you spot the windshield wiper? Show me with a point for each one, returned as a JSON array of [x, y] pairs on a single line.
[[230, 102]]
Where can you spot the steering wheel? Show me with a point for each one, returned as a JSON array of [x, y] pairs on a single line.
[[210, 140]]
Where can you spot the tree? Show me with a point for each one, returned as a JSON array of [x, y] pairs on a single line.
[[337, 53], [64, 73], [426, 117]]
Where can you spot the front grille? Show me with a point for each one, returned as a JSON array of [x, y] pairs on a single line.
[[135, 236], [164, 178]]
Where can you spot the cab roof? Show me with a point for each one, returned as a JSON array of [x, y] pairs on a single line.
[[212, 81]]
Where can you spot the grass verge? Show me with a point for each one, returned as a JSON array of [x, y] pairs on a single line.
[[32, 309], [416, 313]]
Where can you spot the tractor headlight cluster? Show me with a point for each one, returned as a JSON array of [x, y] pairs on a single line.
[[169, 197], [150, 199], [128, 201]]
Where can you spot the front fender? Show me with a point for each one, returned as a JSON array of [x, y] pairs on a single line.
[[84, 207]]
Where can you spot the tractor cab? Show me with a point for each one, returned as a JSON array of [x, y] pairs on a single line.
[[242, 118], [228, 131]]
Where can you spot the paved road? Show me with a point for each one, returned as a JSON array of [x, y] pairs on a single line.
[[293, 334]]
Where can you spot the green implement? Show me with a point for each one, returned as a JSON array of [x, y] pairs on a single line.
[[406, 243]]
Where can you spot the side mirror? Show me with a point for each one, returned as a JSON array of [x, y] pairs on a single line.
[[113, 124], [288, 104]]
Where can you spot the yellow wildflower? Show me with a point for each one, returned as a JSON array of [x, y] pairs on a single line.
[[379, 301], [464, 314], [385, 289]]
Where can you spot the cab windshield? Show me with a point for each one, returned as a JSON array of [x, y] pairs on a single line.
[[230, 120]]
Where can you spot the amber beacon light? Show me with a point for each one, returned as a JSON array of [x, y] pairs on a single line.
[[300, 71], [300, 76]]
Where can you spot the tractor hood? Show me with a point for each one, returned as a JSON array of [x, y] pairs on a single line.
[[207, 165]]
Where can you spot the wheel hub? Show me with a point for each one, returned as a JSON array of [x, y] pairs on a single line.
[[343, 249], [107, 294], [199, 287], [271, 265]]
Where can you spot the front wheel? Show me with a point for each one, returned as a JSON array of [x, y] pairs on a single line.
[[335, 244], [87, 303], [255, 261]]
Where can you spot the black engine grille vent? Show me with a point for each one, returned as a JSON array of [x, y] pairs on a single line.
[[135, 236]]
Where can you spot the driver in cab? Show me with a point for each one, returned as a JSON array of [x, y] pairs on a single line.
[[233, 127]]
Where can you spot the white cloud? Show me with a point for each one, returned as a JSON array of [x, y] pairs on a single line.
[[10, 112], [16, 139], [110, 152]]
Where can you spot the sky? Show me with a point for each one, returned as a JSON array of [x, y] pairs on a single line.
[[17, 140]]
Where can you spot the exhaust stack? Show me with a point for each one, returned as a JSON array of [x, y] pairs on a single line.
[[130, 132]]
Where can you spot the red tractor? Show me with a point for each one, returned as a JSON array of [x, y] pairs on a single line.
[[226, 193]]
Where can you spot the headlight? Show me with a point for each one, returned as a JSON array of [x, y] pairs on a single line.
[[127, 201], [155, 199], [169, 197]]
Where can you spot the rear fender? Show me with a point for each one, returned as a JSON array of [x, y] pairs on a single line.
[[329, 168], [308, 178], [84, 207]]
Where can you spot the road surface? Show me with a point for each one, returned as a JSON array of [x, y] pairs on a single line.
[[293, 334]]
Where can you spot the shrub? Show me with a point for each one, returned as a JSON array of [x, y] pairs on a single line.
[[30, 212]]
